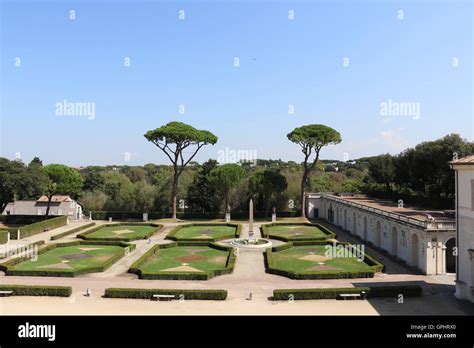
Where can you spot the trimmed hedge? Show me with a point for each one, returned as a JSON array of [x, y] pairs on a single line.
[[171, 235], [38, 227], [333, 293], [215, 295], [37, 290], [375, 266], [125, 239], [4, 236], [74, 230], [25, 219], [124, 216], [395, 290], [229, 266], [8, 265], [267, 234]]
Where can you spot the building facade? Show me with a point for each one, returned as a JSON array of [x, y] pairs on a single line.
[[464, 169], [421, 239], [60, 205]]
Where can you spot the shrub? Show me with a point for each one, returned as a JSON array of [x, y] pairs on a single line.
[[264, 229], [333, 293], [25, 219], [74, 230], [37, 290], [38, 227], [171, 235], [395, 290], [4, 236], [216, 295], [314, 294]]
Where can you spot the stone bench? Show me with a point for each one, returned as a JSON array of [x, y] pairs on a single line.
[[163, 297], [350, 296], [6, 293]]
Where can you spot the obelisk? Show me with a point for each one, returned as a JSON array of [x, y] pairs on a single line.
[[251, 219]]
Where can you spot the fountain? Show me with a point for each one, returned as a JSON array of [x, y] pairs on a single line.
[[251, 242]]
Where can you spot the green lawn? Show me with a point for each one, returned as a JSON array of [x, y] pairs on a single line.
[[71, 258], [312, 259], [188, 259], [122, 232], [205, 232], [295, 232]]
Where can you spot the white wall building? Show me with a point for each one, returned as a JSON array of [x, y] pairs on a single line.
[[464, 168], [60, 205], [422, 239]]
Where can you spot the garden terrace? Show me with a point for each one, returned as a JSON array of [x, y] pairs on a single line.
[[68, 259], [289, 232], [205, 232], [320, 260], [185, 261], [126, 232]]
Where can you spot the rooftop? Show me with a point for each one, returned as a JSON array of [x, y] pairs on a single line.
[[391, 207], [56, 198], [464, 160]]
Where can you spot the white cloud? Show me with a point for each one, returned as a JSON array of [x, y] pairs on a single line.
[[393, 139]]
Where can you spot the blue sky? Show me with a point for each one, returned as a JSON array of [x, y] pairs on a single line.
[[190, 62]]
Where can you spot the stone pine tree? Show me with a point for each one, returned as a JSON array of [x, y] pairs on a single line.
[[174, 139], [312, 138]]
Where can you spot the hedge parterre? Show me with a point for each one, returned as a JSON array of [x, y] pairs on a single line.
[[126, 232], [204, 232], [185, 261], [74, 230], [289, 232], [68, 259], [320, 260]]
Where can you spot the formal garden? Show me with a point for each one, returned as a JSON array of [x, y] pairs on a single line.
[[288, 232], [320, 260], [185, 261], [126, 232], [68, 259], [205, 232]]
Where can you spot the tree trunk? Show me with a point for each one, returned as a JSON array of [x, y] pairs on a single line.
[[226, 203], [175, 195], [302, 198], [49, 205]]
